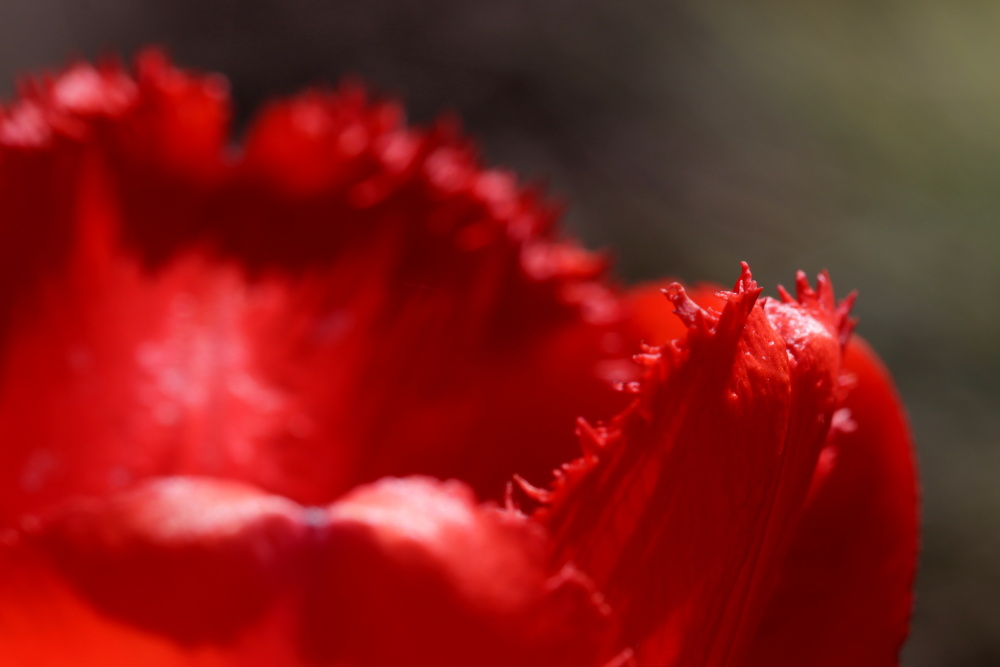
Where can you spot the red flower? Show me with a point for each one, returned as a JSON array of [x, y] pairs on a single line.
[[232, 380]]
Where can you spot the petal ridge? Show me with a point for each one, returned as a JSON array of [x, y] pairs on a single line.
[[725, 430]]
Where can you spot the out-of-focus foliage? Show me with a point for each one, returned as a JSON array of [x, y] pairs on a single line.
[[863, 137]]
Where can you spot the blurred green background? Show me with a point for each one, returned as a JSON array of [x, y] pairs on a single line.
[[863, 137]]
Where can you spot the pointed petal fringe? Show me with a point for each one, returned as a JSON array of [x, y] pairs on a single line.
[[683, 515]]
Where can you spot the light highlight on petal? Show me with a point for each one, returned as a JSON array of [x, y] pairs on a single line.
[[683, 513]]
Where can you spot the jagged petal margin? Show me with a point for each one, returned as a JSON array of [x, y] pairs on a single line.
[[342, 299], [683, 505]]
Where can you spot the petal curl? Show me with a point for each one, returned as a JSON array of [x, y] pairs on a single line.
[[187, 571], [845, 592], [682, 506], [418, 574], [178, 571]]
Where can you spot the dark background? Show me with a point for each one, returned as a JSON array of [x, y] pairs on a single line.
[[859, 136]]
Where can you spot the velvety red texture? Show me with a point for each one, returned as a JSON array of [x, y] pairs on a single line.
[[250, 316], [405, 571], [693, 561], [844, 595], [230, 375]]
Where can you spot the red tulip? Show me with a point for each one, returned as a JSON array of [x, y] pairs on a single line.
[[259, 406]]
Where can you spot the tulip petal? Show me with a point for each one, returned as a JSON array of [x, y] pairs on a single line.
[[845, 591], [415, 573], [188, 571], [464, 338], [163, 133], [683, 508], [175, 572], [115, 375], [345, 299]]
